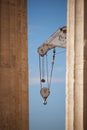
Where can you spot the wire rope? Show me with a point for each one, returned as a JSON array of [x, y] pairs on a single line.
[[40, 70], [53, 58], [47, 70]]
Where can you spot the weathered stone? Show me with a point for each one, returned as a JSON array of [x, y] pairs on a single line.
[[76, 92], [13, 65]]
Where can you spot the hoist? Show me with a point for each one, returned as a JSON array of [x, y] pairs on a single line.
[[45, 91], [58, 39]]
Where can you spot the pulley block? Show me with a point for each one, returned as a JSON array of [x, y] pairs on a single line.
[[45, 92]]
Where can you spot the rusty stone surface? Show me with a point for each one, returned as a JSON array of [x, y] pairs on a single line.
[[13, 65]]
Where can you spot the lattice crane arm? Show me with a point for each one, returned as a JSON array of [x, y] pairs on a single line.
[[58, 39]]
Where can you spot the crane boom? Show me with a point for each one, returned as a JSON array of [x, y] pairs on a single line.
[[58, 39]]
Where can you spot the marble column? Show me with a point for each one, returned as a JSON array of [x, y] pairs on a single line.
[[76, 75], [13, 65]]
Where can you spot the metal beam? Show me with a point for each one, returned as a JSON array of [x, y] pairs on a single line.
[[58, 39]]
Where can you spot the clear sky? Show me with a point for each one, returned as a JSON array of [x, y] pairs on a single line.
[[44, 18]]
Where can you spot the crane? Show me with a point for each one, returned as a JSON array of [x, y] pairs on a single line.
[[58, 39]]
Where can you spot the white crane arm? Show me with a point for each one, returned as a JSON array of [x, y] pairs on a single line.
[[58, 39]]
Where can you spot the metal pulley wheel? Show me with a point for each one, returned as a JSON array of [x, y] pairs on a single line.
[[45, 92]]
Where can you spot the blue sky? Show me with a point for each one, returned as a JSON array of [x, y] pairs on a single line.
[[44, 18]]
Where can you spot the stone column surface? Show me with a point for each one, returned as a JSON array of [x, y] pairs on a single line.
[[76, 75], [13, 65]]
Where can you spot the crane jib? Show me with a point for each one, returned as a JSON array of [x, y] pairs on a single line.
[[58, 39]]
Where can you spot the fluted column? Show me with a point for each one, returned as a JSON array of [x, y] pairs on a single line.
[[76, 75], [13, 65]]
